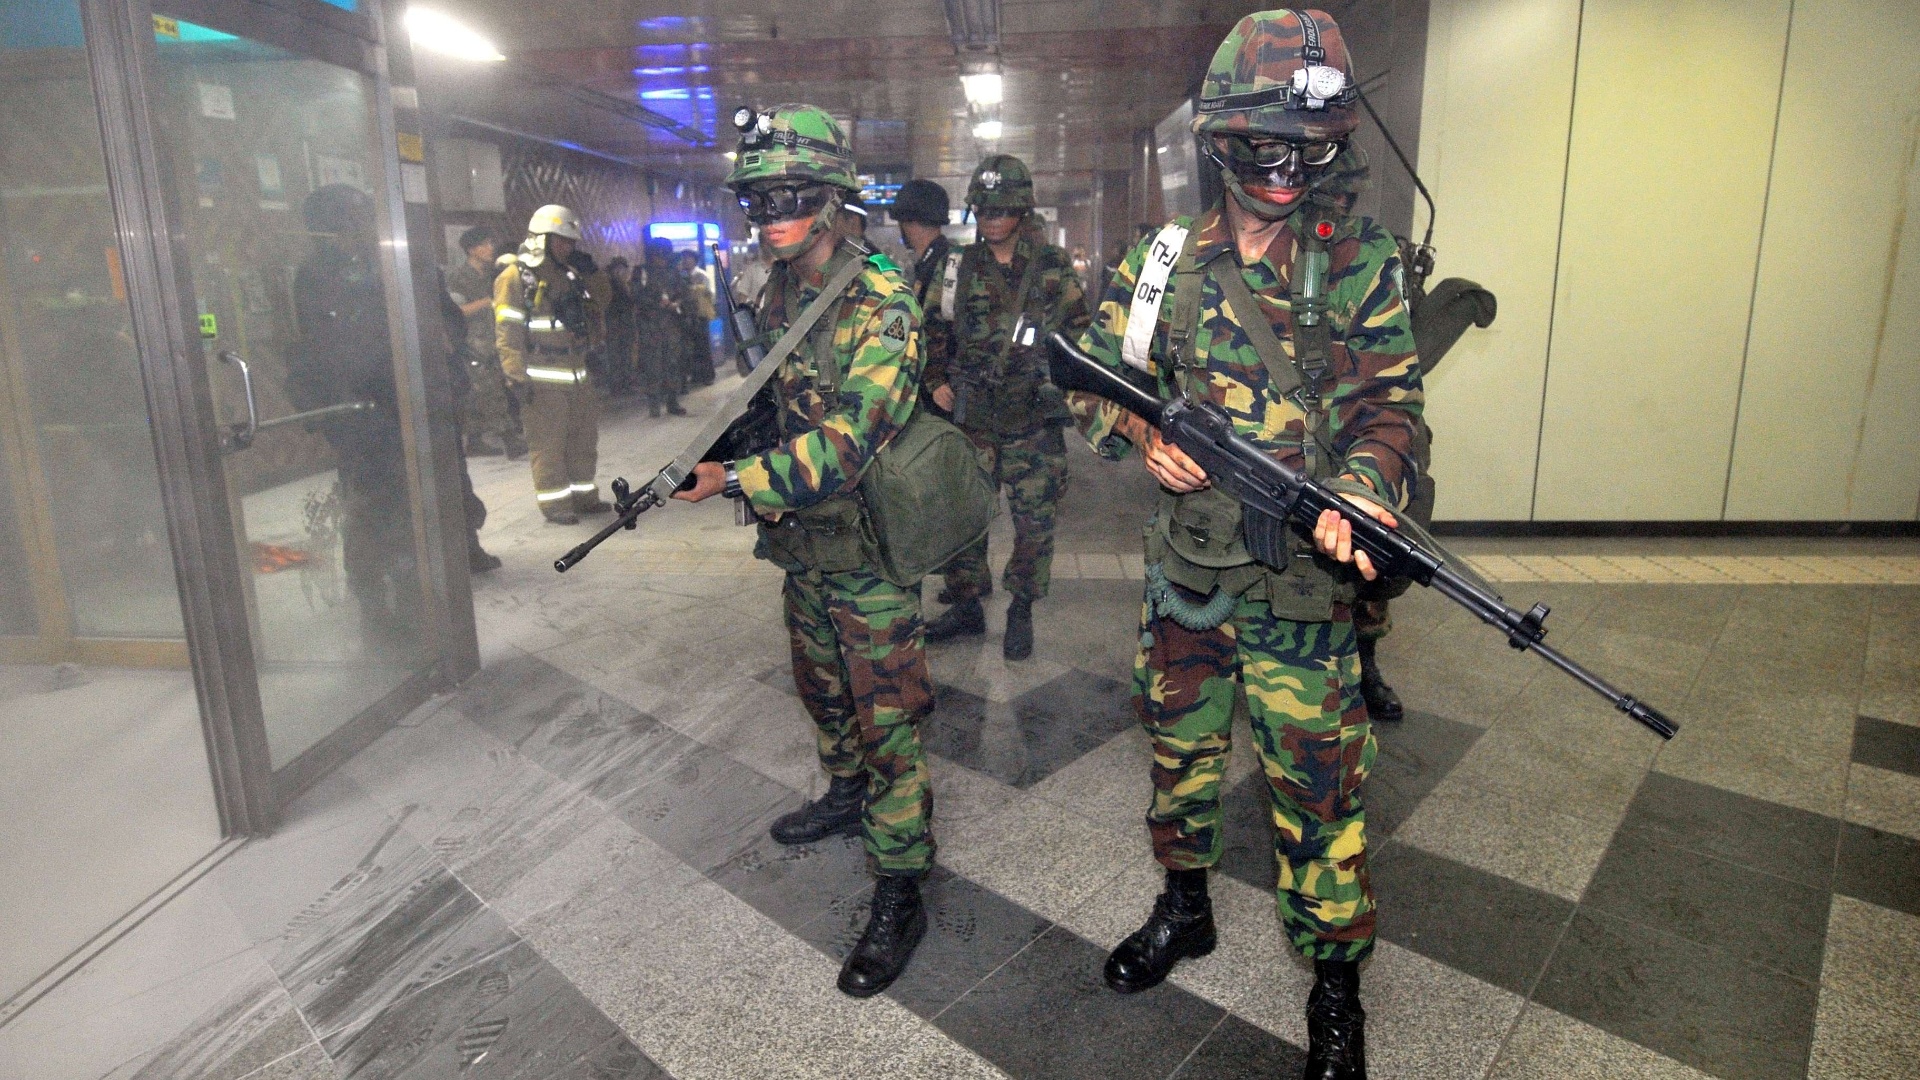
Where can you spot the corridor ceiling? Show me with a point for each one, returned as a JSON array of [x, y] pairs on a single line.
[[655, 82]]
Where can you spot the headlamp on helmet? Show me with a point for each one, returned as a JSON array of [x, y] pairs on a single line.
[[1315, 85]]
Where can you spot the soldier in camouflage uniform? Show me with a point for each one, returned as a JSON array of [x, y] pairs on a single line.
[[858, 658], [921, 211], [488, 415], [658, 297], [1328, 381], [1010, 290]]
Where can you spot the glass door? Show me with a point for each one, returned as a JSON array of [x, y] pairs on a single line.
[[276, 157]]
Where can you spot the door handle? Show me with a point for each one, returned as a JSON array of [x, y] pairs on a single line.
[[240, 436]]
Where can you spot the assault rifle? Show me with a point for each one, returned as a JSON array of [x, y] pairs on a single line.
[[1274, 497], [740, 428]]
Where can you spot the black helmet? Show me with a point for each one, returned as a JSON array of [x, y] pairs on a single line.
[[921, 201]]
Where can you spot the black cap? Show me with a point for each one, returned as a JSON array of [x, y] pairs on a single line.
[[923, 201]]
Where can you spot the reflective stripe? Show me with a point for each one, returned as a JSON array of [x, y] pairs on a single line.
[[567, 376], [585, 487], [549, 496], [545, 324], [507, 314], [1144, 315]]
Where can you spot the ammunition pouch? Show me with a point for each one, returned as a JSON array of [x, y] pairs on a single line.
[[1199, 542], [829, 537], [1009, 406]]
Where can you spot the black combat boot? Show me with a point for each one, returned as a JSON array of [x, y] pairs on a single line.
[[837, 813], [516, 446], [479, 559], [1018, 644], [947, 594], [895, 927], [1181, 926], [1336, 1024], [1382, 702], [674, 409], [964, 619]]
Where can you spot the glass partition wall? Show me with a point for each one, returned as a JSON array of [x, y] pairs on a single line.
[[223, 462]]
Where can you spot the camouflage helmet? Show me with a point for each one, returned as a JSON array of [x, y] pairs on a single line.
[[1002, 182], [792, 142], [1283, 73]]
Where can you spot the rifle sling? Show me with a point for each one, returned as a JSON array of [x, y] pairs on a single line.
[[736, 402]]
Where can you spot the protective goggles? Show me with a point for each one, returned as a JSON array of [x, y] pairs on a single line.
[[767, 204], [1248, 156]]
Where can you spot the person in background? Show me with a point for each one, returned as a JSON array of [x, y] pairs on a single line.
[[658, 295], [698, 316], [490, 416]]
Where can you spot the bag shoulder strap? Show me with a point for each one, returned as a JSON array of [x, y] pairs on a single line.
[[826, 362], [1021, 295], [1291, 378]]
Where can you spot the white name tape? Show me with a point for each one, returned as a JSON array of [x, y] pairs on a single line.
[[950, 284], [1137, 347]]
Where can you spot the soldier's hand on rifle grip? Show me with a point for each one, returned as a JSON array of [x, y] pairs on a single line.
[[1333, 534], [943, 396], [1168, 463], [709, 479]]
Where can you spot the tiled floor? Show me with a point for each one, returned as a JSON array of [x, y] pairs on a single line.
[[562, 870]]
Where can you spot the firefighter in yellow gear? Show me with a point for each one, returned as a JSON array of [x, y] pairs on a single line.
[[542, 321]]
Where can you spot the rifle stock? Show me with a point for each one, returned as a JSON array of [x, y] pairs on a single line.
[[1275, 496]]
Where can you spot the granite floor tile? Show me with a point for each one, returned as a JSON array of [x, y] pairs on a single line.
[[1799, 763], [1863, 1038], [1765, 836], [1415, 755], [1554, 709], [610, 855], [512, 1016], [1045, 860], [1110, 785], [1023, 741], [1236, 1049], [1047, 1013], [1520, 841], [708, 809], [971, 931], [795, 886], [311, 1063], [1428, 1020], [1654, 667], [1546, 1045], [1886, 745], [1472, 689], [248, 1029], [1697, 1005], [1879, 867], [967, 806], [1873, 952], [1496, 930], [1691, 614], [1754, 916], [1885, 800], [1587, 782]]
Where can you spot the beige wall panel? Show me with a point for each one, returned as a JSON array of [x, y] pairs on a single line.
[[1830, 410], [1493, 151], [1672, 124]]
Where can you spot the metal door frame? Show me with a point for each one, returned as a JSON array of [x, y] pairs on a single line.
[[124, 64]]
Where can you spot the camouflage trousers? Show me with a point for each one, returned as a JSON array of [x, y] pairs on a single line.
[[1033, 468], [861, 668], [1302, 688], [485, 412], [1372, 619]]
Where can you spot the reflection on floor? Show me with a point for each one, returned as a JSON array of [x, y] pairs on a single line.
[[562, 870]]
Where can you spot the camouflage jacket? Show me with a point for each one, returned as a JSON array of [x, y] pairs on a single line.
[[1371, 389], [984, 313], [828, 443], [936, 333], [467, 285]]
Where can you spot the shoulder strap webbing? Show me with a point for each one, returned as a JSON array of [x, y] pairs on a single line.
[[1290, 379], [826, 363], [736, 402], [1144, 314], [1020, 297], [950, 282]]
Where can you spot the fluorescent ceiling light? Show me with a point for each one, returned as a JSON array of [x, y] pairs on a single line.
[[432, 31], [982, 89], [987, 130]]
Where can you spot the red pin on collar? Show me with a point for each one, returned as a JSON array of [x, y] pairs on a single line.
[[1323, 230]]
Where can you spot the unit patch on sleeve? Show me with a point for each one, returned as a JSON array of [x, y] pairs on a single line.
[[894, 331]]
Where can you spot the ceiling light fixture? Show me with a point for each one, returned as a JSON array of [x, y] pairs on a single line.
[[985, 88], [987, 130], [433, 31]]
